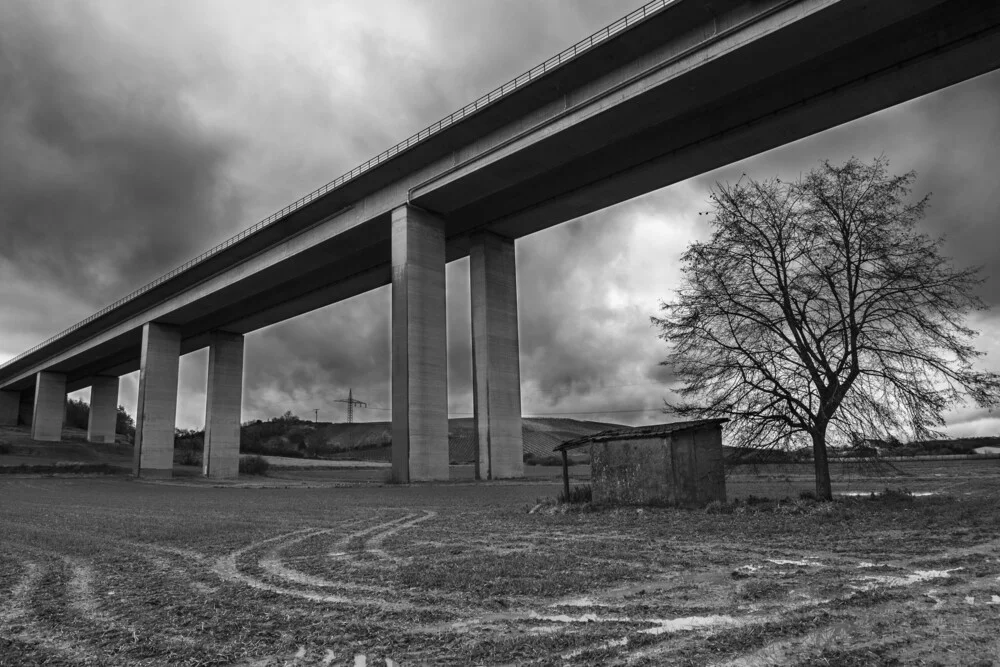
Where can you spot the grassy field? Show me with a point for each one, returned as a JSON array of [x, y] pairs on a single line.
[[110, 571]]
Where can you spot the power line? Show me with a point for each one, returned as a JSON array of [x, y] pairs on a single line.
[[605, 386]]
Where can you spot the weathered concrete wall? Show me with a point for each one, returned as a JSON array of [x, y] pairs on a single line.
[[50, 406], [496, 369], [156, 413], [103, 409], [223, 406], [10, 402], [685, 469], [419, 347]]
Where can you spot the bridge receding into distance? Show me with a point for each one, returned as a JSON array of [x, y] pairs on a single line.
[[676, 89]]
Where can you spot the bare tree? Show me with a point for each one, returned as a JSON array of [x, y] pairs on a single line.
[[817, 311]]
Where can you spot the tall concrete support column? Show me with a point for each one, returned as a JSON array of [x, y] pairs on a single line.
[[496, 370], [10, 402], [103, 409], [419, 347], [50, 406], [223, 405], [157, 409], [26, 410]]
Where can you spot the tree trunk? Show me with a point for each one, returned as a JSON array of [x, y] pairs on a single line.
[[823, 489]]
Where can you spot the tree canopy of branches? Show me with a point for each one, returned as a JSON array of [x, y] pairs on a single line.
[[124, 423], [818, 312]]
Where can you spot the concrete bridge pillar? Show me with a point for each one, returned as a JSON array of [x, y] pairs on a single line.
[[50, 406], [26, 410], [10, 401], [156, 413], [223, 406], [419, 347], [103, 409], [496, 370]]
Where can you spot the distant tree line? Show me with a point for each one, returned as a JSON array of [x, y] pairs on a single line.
[[78, 416]]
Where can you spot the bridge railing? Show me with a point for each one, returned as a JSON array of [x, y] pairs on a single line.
[[584, 45]]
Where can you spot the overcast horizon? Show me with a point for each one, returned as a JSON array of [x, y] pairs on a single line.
[[128, 150]]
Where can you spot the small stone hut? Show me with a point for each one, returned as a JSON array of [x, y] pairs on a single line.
[[678, 464]]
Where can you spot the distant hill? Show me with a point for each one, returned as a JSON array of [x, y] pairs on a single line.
[[540, 435], [368, 440]]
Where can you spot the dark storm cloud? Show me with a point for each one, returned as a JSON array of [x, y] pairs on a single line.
[[108, 180], [122, 156], [477, 46], [571, 342], [587, 290], [949, 138]]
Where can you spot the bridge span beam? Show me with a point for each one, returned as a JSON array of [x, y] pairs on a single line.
[[103, 409], [419, 347], [496, 370], [223, 405], [10, 402], [50, 406], [156, 413]]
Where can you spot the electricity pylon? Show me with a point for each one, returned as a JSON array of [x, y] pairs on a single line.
[[351, 402]]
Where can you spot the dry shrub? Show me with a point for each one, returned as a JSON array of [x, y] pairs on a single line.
[[253, 465]]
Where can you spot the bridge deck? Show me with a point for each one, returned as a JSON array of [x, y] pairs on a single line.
[[683, 89]]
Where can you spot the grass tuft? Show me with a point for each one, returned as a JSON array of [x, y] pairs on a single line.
[[719, 507], [578, 494]]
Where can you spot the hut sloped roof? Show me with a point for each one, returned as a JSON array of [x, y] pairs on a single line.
[[637, 432]]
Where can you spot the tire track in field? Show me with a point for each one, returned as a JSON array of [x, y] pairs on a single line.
[[276, 566], [81, 593], [80, 587], [342, 547], [227, 567], [17, 602], [17, 623], [82, 600], [375, 544], [272, 562], [155, 554]]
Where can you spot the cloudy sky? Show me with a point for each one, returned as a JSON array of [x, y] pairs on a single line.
[[135, 135]]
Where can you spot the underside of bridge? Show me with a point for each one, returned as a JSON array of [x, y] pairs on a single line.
[[694, 86]]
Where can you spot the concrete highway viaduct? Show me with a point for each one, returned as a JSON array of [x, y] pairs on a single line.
[[678, 88]]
